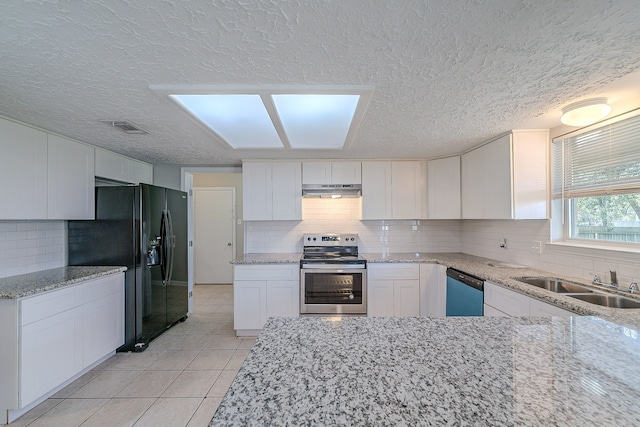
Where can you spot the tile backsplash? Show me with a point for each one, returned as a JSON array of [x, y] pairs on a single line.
[[28, 246], [343, 216]]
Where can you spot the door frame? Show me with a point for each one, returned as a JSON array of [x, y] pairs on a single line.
[[186, 185], [233, 219]]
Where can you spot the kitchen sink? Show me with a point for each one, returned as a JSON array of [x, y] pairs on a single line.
[[615, 301], [555, 285]]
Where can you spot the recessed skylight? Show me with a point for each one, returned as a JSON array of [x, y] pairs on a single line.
[[268, 117], [241, 120], [316, 121]]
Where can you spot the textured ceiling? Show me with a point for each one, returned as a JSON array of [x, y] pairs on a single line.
[[447, 74]]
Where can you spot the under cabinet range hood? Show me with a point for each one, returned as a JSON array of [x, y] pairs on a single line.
[[331, 190]]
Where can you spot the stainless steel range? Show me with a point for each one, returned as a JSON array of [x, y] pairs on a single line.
[[333, 277]]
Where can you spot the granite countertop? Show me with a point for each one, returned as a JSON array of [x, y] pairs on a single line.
[[437, 371], [46, 280], [273, 258]]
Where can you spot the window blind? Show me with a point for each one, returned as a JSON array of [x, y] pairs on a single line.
[[599, 162]]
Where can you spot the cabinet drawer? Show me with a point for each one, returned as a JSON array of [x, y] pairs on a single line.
[[46, 305], [267, 272], [394, 271], [505, 300], [101, 287]]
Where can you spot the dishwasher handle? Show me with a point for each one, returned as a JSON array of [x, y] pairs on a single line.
[[465, 278]]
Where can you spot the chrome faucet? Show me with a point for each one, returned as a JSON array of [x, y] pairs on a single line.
[[614, 278], [596, 280], [633, 288]]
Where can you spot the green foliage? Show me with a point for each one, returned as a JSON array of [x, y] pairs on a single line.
[[603, 211]]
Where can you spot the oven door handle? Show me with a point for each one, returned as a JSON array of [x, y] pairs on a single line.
[[322, 268]]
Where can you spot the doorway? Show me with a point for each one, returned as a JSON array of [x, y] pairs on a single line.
[[214, 234]]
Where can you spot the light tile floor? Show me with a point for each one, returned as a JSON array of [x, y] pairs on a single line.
[[178, 381]]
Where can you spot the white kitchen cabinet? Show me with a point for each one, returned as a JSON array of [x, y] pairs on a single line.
[[272, 191], [376, 190], [443, 188], [116, 167], [23, 171], [261, 291], [71, 189], [331, 172], [393, 190], [503, 301], [507, 178], [49, 339], [543, 309], [393, 289], [433, 288]]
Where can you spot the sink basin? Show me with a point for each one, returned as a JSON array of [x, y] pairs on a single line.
[[555, 285], [615, 301]]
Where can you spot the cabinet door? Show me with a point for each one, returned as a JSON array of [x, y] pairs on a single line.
[[472, 184], [406, 190], [71, 179], [316, 172], [496, 169], [103, 327], [23, 172], [111, 165], [542, 309], [376, 190], [50, 354], [139, 172], [505, 300], [346, 172], [433, 290], [249, 304], [287, 191], [443, 188], [283, 299], [380, 298], [406, 298], [257, 191], [489, 311], [530, 174]]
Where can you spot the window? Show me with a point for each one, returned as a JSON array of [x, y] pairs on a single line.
[[597, 179]]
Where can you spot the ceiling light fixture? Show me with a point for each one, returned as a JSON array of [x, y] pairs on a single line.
[[586, 112]]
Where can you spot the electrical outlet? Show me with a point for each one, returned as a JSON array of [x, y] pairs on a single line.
[[503, 243], [536, 247]]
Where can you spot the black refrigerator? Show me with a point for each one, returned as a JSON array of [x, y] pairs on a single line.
[[144, 228]]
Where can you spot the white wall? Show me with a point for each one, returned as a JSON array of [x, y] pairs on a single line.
[[340, 216], [482, 238], [28, 246]]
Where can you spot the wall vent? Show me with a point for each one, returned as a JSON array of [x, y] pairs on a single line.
[[125, 126]]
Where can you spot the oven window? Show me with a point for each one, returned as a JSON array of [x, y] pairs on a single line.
[[333, 288]]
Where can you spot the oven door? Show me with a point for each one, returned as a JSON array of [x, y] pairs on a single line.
[[333, 290]]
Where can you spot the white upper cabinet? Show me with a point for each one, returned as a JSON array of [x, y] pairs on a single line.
[[120, 168], [443, 188], [23, 171], [393, 190], [44, 176], [507, 178], [331, 173], [71, 189], [271, 191]]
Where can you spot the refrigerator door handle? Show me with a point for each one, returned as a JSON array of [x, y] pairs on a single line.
[[171, 244], [165, 248]]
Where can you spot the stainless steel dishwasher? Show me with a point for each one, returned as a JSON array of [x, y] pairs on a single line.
[[465, 294]]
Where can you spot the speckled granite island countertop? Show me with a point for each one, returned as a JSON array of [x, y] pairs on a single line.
[[579, 371], [46, 280]]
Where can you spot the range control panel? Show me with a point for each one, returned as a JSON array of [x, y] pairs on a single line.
[[330, 240]]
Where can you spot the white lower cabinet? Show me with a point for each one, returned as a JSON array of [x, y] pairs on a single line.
[[433, 289], [51, 338], [499, 301], [261, 291], [393, 289]]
